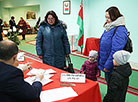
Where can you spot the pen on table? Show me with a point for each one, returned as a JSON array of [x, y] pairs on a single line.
[[29, 62], [67, 85]]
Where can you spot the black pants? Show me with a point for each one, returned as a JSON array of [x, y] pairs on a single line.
[[23, 37]]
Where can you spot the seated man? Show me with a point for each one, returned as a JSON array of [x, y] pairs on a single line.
[[29, 29], [5, 24], [13, 88]]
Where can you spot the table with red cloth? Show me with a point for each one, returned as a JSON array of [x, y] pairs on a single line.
[[88, 92], [91, 44]]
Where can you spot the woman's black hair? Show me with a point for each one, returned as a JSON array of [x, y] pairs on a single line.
[[53, 14], [12, 17]]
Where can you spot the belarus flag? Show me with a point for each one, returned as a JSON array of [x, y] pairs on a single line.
[[80, 23]]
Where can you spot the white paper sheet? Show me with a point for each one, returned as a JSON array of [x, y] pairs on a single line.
[[48, 71], [71, 77], [35, 71], [44, 81], [20, 56], [57, 94]]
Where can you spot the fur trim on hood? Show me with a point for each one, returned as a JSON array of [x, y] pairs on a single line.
[[119, 21], [60, 22]]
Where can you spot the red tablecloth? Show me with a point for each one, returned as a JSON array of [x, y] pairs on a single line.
[[91, 44], [87, 92]]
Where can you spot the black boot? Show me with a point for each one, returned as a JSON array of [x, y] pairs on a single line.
[[23, 37]]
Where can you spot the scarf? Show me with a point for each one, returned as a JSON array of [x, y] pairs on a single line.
[[119, 21]]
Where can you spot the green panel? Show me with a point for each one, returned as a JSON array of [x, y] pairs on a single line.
[[134, 79], [77, 61], [27, 47], [131, 98]]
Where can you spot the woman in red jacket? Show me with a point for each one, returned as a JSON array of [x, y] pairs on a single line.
[[22, 24]]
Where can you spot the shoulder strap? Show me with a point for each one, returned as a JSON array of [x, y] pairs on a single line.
[[117, 27]]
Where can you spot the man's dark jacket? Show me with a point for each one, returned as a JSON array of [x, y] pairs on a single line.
[[13, 88]]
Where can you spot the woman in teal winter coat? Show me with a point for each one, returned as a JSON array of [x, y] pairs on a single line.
[[52, 43], [110, 42]]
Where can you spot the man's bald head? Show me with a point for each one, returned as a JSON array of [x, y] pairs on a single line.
[[7, 49]]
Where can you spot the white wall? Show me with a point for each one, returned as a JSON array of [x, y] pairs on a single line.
[[19, 3], [0, 10], [19, 8], [57, 6], [96, 19], [94, 15]]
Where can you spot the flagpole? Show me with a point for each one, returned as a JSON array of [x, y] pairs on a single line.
[[81, 50]]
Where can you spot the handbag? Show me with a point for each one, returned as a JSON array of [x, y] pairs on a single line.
[[69, 68]]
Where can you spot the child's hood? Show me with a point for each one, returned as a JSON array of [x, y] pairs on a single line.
[[124, 70]]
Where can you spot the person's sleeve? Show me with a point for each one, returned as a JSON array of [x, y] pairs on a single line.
[[118, 43], [18, 23], [83, 68], [98, 72], [112, 89], [66, 43], [39, 42], [1, 38], [20, 89], [10, 22]]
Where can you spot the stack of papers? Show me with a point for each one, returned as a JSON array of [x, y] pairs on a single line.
[[35, 71], [44, 81], [57, 94], [46, 78]]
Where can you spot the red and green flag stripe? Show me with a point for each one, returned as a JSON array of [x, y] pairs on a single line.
[[80, 23]]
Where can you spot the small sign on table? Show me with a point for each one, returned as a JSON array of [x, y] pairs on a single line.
[[20, 56], [71, 77]]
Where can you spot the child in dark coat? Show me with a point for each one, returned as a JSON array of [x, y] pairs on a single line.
[[119, 78], [90, 66]]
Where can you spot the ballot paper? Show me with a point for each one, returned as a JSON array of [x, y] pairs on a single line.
[[48, 71], [44, 81], [35, 71], [20, 56], [57, 94]]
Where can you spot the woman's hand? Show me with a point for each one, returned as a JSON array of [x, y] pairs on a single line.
[[106, 70], [41, 57]]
